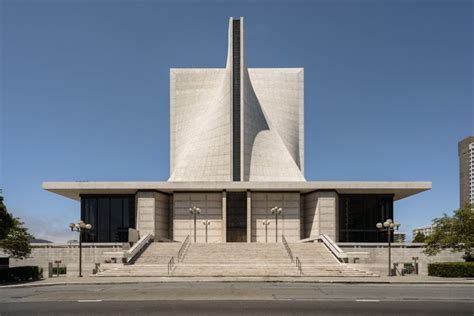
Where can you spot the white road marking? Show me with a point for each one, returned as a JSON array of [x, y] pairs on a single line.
[[88, 301], [374, 301]]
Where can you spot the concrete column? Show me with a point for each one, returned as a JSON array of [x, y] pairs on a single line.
[[224, 216], [152, 210], [249, 216], [145, 206], [321, 210]]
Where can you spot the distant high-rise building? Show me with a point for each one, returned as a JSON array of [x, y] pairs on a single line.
[[399, 237], [466, 170], [426, 231]]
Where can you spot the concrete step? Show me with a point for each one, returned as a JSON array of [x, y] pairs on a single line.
[[236, 260], [159, 253], [312, 253]]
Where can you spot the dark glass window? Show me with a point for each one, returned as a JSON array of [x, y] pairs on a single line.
[[116, 219], [103, 215], [236, 216], [236, 100], [90, 216], [110, 217], [358, 215]]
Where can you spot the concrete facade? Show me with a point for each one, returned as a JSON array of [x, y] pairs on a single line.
[[320, 214], [271, 121], [236, 152], [153, 214], [288, 221], [210, 204]]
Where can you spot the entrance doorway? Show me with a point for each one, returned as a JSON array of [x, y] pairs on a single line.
[[236, 217]]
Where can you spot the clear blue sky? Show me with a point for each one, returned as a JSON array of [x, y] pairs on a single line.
[[85, 91]]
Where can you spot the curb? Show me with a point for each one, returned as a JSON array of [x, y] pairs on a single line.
[[465, 282]]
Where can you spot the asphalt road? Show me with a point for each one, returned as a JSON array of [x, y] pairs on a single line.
[[239, 299]]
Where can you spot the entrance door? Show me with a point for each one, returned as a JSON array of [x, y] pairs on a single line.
[[236, 217]]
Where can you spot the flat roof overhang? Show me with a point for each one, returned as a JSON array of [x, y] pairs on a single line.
[[399, 189]]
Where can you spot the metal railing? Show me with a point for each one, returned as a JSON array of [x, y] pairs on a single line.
[[290, 253], [298, 265], [333, 247], [182, 250], [170, 265]]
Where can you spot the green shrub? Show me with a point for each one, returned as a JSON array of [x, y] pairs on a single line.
[[17, 274], [61, 270], [451, 269]]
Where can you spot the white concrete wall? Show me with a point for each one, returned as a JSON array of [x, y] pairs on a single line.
[[272, 122], [320, 214], [377, 259], [288, 223], [153, 214], [42, 254], [211, 209], [271, 126], [200, 129], [274, 105]]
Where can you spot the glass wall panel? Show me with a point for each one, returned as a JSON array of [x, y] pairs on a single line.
[[116, 219], [104, 219], [90, 217], [236, 217], [358, 215], [110, 217]]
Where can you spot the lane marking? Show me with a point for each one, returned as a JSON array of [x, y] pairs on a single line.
[[373, 301], [88, 301]]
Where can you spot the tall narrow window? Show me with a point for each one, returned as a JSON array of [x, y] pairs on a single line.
[[236, 99]]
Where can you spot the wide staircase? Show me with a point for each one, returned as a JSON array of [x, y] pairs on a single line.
[[318, 261], [152, 262], [235, 260]]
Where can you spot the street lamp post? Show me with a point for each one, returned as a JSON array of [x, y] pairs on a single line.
[[206, 223], [389, 226], [80, 227], [194, 211], [266, 222], [277, 211], [416, 264]]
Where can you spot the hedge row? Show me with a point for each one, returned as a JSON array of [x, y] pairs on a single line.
[[25, 273], [451, 269], [61, 270]]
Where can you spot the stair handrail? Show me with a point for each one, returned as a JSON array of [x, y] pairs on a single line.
[[170, 265], [132, 254], [333, 247], [298, 265], [138, 248], [182, 249], [288, 250]]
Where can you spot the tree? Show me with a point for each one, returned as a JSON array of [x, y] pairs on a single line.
[[420, 237], [14, 238], [455, 232]]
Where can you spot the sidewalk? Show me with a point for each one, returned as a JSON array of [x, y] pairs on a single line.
[[128, 280]]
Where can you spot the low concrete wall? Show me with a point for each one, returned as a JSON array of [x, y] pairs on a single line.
[[377, 259], [42, 254]]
